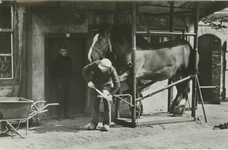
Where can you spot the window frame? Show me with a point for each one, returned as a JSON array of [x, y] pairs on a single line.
[[11, 54]]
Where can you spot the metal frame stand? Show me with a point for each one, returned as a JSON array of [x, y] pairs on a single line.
[[195, 81]]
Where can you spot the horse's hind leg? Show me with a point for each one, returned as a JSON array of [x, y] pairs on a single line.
[[178, 105], [139, 106]]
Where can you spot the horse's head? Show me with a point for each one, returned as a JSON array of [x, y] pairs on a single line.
[[100, 46]]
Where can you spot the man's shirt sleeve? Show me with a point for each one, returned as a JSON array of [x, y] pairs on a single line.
[[87, 70], [115, 80]]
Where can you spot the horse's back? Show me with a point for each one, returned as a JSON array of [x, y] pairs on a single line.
[[168, 44]]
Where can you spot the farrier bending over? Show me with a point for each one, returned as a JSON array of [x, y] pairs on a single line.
[[106, 80]]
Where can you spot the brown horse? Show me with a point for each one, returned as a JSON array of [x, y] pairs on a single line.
[[168, 60]]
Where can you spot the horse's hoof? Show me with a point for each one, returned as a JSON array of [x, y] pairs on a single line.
[[139, 110], [178, 111], [171, 111]]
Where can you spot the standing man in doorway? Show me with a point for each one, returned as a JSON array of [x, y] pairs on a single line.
[[106, 80], [62, 69]]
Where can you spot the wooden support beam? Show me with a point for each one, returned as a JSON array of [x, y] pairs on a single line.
[[6, 30], [194, 84], [165, 14], [201, 98], [171, 16], [113, 11], [154, 120], [133, 30], [145, 33], [170, 90], [164, 88]]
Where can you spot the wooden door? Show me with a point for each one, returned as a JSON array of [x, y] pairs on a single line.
[[207, 44]]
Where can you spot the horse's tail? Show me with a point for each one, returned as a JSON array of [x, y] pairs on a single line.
[[193, 60]]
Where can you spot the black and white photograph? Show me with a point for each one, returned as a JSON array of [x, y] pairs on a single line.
[[113, 74]]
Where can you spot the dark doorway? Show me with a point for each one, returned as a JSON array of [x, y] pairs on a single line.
[[77, 50], [207, 44]]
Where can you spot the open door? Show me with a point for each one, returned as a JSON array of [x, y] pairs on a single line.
[[76, 44]]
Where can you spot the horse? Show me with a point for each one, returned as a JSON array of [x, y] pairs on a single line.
[[156, 62]]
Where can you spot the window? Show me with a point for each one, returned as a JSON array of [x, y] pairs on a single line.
[[6, 48]]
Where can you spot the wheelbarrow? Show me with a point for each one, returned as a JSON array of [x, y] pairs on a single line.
[[20, 110]]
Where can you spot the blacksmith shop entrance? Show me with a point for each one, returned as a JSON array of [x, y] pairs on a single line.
[[77, 50]]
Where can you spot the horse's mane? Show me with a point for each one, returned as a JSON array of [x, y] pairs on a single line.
[[123, 34]]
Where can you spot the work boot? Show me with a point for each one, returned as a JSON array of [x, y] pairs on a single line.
[[92, 126], [66, 117], [106, 127], [60, 118]]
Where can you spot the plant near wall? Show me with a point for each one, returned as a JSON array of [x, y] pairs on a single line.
[[215, 23]]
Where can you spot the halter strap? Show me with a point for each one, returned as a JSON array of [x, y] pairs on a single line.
[[108, 44], [99, 50]]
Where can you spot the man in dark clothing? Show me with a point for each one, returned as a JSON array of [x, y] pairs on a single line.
[[62, 70], [106, 80]]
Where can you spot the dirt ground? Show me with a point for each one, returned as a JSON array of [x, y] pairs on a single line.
[[70, 134]]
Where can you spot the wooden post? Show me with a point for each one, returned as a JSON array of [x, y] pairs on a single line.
[[117, 110], [194, 86], [164, 88], [201, 98], [170, 90], [171, 16], [117, 20], [133, 31]]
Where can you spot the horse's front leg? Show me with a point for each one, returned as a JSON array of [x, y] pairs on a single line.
[[178, 105]]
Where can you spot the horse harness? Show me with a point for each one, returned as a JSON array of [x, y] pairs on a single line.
[[99, 50]]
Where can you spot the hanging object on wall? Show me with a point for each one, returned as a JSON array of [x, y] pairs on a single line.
[[67, 35]]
